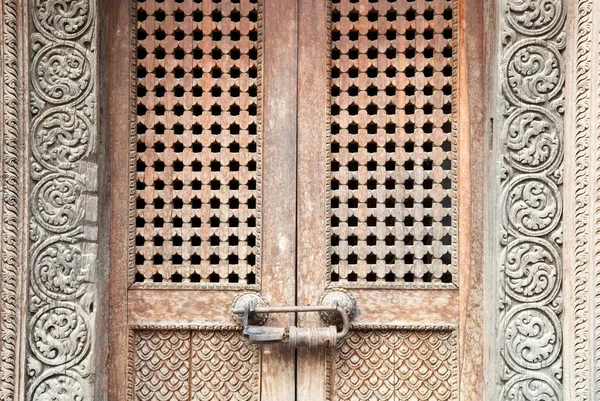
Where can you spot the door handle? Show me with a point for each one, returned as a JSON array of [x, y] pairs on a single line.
[[336, 309]]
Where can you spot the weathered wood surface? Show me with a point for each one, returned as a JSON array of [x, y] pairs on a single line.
[[528, 219], [247, 238], [401, 303], [210, 144]]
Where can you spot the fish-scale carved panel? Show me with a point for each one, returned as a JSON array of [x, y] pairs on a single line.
[[403, 365], [194, 365], [393, 141], [162, 365], [224, 367], [198, 141]]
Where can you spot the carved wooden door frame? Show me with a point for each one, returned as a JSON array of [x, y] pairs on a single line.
[[566, 39]]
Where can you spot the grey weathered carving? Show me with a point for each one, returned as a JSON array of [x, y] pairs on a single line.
[[532, 76], [62, 200], [11, 187], [585, 125]]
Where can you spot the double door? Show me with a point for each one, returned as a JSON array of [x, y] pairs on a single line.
[[290, 152]]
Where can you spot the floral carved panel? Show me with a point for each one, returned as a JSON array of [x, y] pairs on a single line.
[[531, 108], [62, 200]]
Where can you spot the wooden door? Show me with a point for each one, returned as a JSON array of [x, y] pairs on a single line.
[[203, 172], [287, 148], [384, 196]]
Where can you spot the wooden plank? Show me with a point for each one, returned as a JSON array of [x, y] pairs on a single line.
[[181, 308], [119, 38], [406, 307], [278, 253], [471, 112], [312, 142]]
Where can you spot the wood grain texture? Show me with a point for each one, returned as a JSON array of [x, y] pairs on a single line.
[[206, 307], [393, 142], [406, 303], [472, 84], [279, 189], [245, 66], [199, 125]]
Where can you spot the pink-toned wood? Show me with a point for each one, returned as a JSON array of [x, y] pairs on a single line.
[[471, 111], [181, 308], [406, 307], [312, 141], [401, 300], [118, 84], [199, 124], [392, 177], [161, 277], [279, 189], [397, 302]]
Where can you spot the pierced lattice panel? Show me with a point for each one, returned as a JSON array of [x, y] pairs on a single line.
[[198, 146], [392, 142]]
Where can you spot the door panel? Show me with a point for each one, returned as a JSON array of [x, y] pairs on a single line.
[[211, 139], [195, 365], [378, 209], [288, 148], [395, 364]]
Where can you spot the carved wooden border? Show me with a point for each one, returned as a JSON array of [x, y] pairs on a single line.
[[63, 200], [583, 310], [529, 128], [12, 250]]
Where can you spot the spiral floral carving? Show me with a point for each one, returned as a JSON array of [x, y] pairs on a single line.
[[61, 138], [531, 338], [538, 388], [531, 269], [62, 201], [59, 271], [534, 17], [63, 73], [533, 205], [60, 335], [533, 139], [535, 72], [531, 159], [60, 388], [62, 19], [58, 202]]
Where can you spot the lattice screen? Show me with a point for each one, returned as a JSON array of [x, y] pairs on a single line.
[[198, 148], [392, 141]]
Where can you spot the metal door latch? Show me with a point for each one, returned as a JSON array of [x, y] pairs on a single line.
[[337, 310]]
